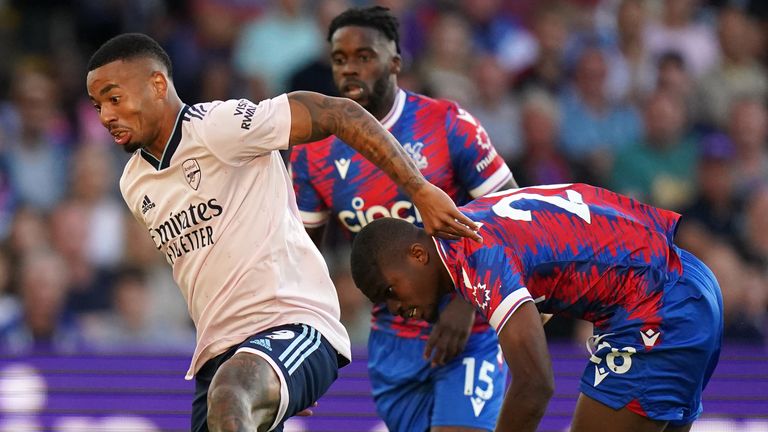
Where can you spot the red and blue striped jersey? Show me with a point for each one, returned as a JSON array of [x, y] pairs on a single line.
[[576, 250], [448, 145]]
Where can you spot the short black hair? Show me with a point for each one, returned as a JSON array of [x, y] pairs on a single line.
[[384, 238], [129, 46], [376, 17]]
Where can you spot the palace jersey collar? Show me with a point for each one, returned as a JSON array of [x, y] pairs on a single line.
[[397, 108], [170, 146]]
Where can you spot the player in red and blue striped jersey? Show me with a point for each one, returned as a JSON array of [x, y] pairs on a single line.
[[578, 251], [332, 180]]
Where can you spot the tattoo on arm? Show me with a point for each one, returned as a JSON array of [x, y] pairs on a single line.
[[361, 131]]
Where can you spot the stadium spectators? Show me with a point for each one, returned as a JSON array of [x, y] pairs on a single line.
[[659, 168], [698, 50]]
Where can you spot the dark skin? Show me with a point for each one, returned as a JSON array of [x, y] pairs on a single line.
[[138, 104], [365, 66], [412, 286]]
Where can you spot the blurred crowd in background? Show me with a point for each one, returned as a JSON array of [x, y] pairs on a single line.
[[664, 100]]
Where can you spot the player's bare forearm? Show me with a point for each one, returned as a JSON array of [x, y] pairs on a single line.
[[522, 409], [315, 116], [524, 345]]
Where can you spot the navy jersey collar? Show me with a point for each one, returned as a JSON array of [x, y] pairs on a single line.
[[170, 146]]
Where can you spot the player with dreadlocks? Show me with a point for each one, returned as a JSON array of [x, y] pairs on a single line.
[[442, 377]]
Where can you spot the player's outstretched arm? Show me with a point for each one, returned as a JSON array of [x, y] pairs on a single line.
[[315, 116], [524, 345]]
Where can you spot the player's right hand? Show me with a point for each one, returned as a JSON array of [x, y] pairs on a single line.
[[450, 334], [441, 217]]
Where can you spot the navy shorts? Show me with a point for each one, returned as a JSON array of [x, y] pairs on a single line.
[[306, 363]]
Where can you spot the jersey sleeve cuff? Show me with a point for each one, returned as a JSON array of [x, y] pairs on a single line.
[[313, 219], [508, 306], [493, 183], [283, 120]]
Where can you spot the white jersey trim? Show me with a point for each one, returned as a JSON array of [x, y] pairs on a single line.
[[494, 182], [314, 219], [298, 355], [284, 395], [508, 306], [393, 115]]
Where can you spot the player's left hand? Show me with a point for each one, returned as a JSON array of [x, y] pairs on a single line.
[[440, 216], [450, 334]]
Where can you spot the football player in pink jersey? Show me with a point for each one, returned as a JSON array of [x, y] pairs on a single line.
[[418, 371], [208, 183], [578, 251]]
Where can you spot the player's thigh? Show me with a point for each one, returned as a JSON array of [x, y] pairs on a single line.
[[401, 381], [591, 415], [203, 379], [469, 390], [296, 364], [246, 385]]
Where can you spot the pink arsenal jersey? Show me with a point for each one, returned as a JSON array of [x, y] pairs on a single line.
[[219, 205]]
